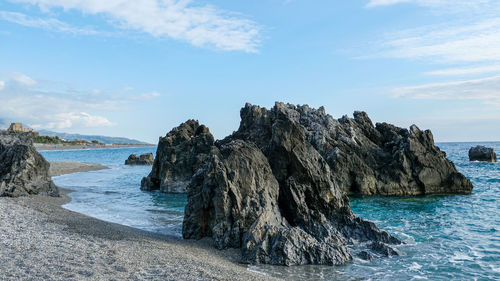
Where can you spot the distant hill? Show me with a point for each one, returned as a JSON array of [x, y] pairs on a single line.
[[101, 139]]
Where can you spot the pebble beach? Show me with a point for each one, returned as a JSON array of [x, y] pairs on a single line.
[[40, 240]]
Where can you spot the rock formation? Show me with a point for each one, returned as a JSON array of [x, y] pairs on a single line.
[[144, 159], [23, 171], [267, 190], [178, 156], [277, 187], [482, 153], [363, 159]]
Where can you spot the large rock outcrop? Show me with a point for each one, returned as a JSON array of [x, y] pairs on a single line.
[[143, 159], [267, 190], [363, 159], [23, 171], [482, 153], [178, 156]]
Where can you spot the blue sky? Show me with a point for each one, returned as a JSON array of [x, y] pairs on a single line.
[[138, 68]]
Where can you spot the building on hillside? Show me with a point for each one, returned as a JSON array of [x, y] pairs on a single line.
[[18, 127]]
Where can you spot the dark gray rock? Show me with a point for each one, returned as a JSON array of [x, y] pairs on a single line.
[[23, 171], [178, 156], [276, 188], [383, 249], [482, 153], [144, 159], [365, 255], [364, 159], [268, 191]]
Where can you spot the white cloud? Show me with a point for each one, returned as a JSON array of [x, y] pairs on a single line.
[[68, 120], [49, 23], [22, 79], [376, 3], [55, 106], [2, 85], [465, 70], [150, 95], [200, 25], [469, 44], [473, 42], [486, 90], [431, 3]]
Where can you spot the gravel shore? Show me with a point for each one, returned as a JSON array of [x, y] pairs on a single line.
[[69, 167], [40, 240]]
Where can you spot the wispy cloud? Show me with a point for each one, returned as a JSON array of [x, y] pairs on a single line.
[[376, 3], [22, 79], [150, 95], [42, 105], [447, 43], [73, 119], [452, 4], [465, 70], [484, 89], [51, 24], [466, 41], [201, 25]]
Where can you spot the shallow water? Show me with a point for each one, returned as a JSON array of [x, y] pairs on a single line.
[[447, 237], [114, 194]]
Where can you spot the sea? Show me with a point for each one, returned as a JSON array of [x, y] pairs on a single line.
[[452, 237]]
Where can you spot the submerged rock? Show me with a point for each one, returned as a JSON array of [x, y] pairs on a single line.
[[23, 171], [178, 156], [482, 153], [144, 159], [267, 190]]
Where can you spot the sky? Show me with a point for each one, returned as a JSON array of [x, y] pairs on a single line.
[[139, 68]]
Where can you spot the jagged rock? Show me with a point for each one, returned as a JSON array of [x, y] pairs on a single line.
[[178, 156], [268, 191], [363, 158], [383, 249], [276, 188], [364, 255], [482, 153], [144, 159], [23, 171]]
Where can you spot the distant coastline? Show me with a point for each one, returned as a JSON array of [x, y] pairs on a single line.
[[44, 147]]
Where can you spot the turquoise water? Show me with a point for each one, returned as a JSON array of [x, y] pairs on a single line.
[[446, 237], [114, 194]]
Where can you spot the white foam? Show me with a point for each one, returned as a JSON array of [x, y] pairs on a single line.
[[415, 266], [460, 257]]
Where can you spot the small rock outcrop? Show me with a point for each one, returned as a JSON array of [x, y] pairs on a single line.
[[23, 171], [267, 190], [482, 153], [144, 159], [179, 155]]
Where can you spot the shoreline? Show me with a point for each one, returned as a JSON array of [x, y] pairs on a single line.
[[42, 240], [59, 168], [49, 147]]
